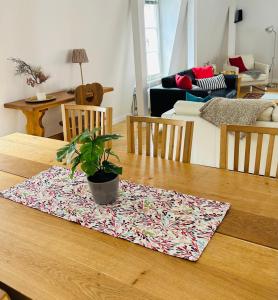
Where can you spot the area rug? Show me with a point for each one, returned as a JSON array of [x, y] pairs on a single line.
[[166, 221], [253, 96]]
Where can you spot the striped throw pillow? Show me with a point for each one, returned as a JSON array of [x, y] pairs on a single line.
[[212, 83]]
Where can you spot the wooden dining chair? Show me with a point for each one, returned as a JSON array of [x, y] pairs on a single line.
[[4, 295], [244, 134], [89, 94], [172, 139], [77, 118]]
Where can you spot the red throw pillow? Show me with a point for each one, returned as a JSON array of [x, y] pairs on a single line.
[[238, 62], [183, 82], [203, 72]]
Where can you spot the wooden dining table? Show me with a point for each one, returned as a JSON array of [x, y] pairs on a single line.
[[45, 257]]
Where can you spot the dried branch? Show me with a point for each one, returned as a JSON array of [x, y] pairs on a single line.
[[34, 74]]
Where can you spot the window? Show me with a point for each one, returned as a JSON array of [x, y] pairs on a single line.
[[151, 12]]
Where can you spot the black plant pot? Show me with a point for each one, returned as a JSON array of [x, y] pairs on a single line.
[[104, 187]]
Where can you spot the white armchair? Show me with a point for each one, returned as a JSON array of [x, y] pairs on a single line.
[[251, 64]]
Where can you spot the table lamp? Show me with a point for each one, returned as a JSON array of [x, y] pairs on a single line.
[[271, 29], [79, 56]]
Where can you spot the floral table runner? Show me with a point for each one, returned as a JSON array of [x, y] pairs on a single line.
[[166, 221]]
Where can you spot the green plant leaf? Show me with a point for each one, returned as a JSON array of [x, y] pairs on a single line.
[[64, 151], [91, 151], [107, 137], [91, 154], [110, 152], [89, 167], [111, 168], [75, 162]]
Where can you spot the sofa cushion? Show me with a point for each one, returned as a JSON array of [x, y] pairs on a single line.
[[238, 62], [193, 98], [225, 93], [213, 83], [188, 73], [203, 72], [275, 114], [196, 87], [246, 78], [248, 60], [266, 115], [188, 108], [183, 82], [169, 82]]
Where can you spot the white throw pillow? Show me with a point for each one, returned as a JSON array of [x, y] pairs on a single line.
[[266, 115], [212, 83], [189, 108], [275, 114]]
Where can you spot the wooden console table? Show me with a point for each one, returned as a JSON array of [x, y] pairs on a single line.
[[34, 112]]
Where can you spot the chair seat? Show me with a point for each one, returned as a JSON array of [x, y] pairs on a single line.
[[246, 77]]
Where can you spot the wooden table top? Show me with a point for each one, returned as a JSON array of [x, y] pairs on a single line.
[[50, 258], [61, 98]]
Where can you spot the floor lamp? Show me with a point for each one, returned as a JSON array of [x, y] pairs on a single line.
[[271, 29]]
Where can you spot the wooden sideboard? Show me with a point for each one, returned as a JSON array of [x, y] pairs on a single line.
[[34, 112]]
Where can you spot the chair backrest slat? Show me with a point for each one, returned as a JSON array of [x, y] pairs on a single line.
[[163, 141], [163, 137], [188, 142], [258, 154], [73, 123], [155, 139], [148, 137], [247, 132], [78, 118], [269, 154], [140, 138], [223, 147], [172, 140], [86, 119], [236, 150], [247, 152], [179, 140]]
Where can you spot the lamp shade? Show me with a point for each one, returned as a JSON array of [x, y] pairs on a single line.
[[79, 56]]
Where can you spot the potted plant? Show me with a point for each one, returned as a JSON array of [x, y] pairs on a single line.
[[35, 76], [90, 151]]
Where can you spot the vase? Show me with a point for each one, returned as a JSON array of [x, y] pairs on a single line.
[[40, 92]]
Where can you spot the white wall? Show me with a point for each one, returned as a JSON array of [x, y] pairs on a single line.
[[43, 31], [251, 35], [212, 31]]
